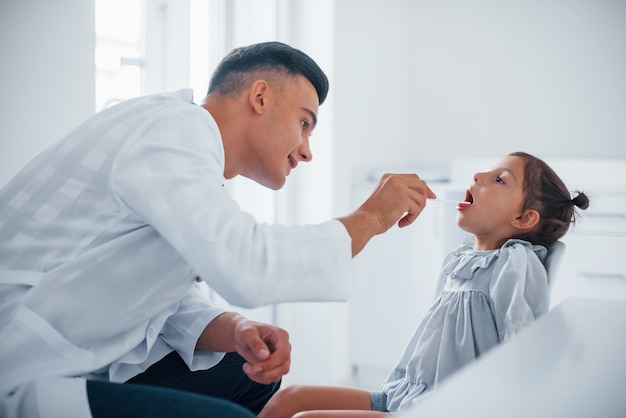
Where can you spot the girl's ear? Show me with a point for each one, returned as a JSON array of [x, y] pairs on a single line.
[[527, 220]]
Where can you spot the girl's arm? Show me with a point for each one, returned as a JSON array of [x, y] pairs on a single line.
[[519, 290], [293, 399]]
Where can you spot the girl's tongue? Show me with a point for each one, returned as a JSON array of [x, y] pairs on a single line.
[[469, 201]]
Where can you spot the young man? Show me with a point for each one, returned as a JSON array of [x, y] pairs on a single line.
[[109, 238]]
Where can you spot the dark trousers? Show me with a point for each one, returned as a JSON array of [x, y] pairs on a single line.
[[169, 389]]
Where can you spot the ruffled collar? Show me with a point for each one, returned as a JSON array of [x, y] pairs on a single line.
[[465, 261]]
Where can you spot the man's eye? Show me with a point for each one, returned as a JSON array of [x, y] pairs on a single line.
[[499, 180]]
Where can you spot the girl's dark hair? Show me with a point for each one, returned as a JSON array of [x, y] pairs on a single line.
[[233, 72], [546, 193]]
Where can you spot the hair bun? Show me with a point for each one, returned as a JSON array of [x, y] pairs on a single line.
[[581, 200]]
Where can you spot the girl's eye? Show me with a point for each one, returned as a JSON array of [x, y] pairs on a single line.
[[305, 124], [499, 180]]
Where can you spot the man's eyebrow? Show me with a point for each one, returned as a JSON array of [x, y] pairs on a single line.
[[313, 115]]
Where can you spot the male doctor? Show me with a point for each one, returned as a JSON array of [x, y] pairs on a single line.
[[109, 238]]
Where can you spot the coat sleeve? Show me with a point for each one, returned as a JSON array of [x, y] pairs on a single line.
[[182, 330], [171, 177]]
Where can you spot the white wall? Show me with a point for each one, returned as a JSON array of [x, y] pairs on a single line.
[[420, 82], [46, 76], [426, 81], [412, 81]]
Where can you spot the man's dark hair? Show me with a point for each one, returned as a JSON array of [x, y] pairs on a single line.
[[233, 72]]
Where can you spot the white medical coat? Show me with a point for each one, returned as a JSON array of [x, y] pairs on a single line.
[[103, 237]]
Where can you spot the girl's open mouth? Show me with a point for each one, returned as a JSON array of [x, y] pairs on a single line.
[[469, 201]]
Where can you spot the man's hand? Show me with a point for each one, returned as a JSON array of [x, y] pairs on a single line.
[[398, 198], [266, 348]]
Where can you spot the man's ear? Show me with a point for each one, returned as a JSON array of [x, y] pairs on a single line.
[[257, 96], [527, 220]]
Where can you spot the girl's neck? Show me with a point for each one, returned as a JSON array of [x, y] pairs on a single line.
[[488, 244]]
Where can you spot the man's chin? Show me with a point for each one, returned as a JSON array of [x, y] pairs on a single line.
[[273, 184]]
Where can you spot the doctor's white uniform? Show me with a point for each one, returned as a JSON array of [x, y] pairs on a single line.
[[103, 238]]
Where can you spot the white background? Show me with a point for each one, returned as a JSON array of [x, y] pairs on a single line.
[[413, 83]]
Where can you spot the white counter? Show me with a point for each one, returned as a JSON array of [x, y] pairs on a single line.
[[570, 363]]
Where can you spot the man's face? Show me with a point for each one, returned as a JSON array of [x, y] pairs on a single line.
[[281, 138]]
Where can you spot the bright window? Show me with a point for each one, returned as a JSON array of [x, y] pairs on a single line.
[[152, 46], [120, 53]]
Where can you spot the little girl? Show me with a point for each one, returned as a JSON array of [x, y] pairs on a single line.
[[488, 289]]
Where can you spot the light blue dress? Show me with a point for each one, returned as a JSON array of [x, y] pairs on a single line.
[[482, 299]]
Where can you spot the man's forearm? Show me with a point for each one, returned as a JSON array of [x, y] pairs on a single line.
[[219, 333], [361, 227]]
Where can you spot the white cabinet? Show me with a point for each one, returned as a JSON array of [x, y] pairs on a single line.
[[595, 262]]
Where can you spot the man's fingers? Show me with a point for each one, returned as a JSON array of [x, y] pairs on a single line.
[[266, 349], [266, 375], [417, 202]]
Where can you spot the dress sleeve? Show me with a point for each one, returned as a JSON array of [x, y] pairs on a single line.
[[440, 282], [519, 291]]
